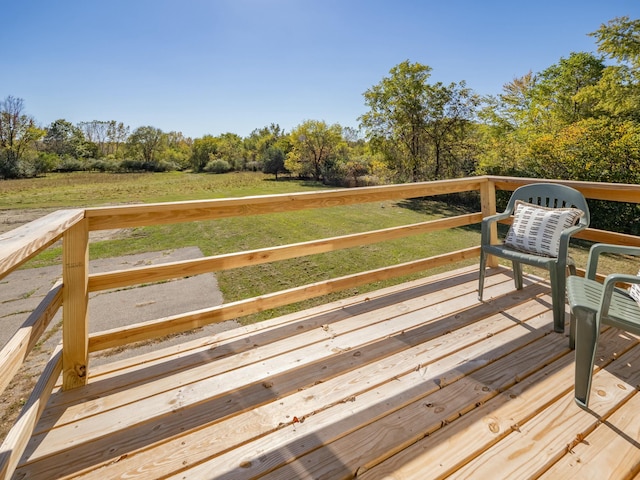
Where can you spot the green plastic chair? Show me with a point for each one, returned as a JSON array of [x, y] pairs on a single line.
[[594, 304], [549, 195]]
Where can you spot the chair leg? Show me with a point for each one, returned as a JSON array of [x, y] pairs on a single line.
[[558, 296], [572, 331], [586, 342], [483, 265], [517, 274]]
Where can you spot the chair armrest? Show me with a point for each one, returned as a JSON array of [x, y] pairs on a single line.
[[600, 248], [485, 228], [563, 247], [608, 286]]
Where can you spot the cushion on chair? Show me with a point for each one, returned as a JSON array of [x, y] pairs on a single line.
[[537, 229], [634, 291]]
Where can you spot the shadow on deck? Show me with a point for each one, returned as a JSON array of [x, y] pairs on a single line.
[[415, 381]]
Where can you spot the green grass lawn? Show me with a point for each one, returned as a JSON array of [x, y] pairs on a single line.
[[245, 233]]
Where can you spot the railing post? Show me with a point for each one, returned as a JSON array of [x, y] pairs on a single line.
[[75, 298], [488, 206]]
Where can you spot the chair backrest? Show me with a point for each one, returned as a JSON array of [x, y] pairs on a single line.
[[551, 195]]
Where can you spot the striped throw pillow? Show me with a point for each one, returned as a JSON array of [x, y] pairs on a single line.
[[634, 291], [537, 229]]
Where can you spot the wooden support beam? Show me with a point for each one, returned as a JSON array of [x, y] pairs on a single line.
[[488, 206], [75, 297]]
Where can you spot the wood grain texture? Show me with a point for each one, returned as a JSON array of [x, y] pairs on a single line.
[[22, 243], [15, 351], [75, 298], [18, 437]]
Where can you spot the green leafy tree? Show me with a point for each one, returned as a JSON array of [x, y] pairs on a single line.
[[260, 141], [145, 143], [273, 161], [178, 149], [203, 150], [554, 97], [506, 128], [617, 94], [231, 150], [314, 145], [418, 126], [64, 138], [18, 133]]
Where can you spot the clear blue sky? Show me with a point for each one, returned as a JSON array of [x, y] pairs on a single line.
[[214, 66]]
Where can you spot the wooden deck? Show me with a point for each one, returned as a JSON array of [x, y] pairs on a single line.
[[415, 381]]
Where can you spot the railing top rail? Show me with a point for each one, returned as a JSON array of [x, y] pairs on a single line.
[[617, 192], [22, 243], [124, 216]]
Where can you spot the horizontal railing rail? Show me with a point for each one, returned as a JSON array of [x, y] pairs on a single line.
[[72, 294]]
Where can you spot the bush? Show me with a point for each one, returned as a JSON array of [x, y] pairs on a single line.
[[217, 166], [103, 165], [68, 163], [133, 165], [254, 166], [44, 162]]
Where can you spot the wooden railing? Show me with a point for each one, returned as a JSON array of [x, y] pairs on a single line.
[[72, 294]]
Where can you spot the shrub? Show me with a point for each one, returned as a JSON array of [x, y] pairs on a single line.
[[217, 166], [103, 165], [68, 163]]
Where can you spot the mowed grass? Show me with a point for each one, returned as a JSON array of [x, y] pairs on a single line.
[[246, 233]]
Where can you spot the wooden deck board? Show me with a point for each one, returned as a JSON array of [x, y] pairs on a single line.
[[415, 381]]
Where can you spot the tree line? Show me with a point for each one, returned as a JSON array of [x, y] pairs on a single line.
[[577, 119]]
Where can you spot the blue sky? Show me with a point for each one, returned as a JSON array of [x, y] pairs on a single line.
[[213, 66]]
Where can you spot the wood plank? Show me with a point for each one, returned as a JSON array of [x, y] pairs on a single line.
[[59, 437], [611, 451], [603, 236], [299, 321], [376, 412], [445, 451], [180, 323], [488, 206], [232, 373], [15, 351], [26, 241], [212, 437], [120, 278], [127, 216], [548, 435], [139, 369], [616, 192], [16, 440], [75, 297]]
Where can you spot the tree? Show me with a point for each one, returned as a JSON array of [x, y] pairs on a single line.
[[258, 145], [63, 138], [117, 134], [145, 142], [416, 125], [617, 94], [506, 128], [203, 150], [273, 161], [555, 101], [17, 133], [313, 145], [231, 150], [178, 149]]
